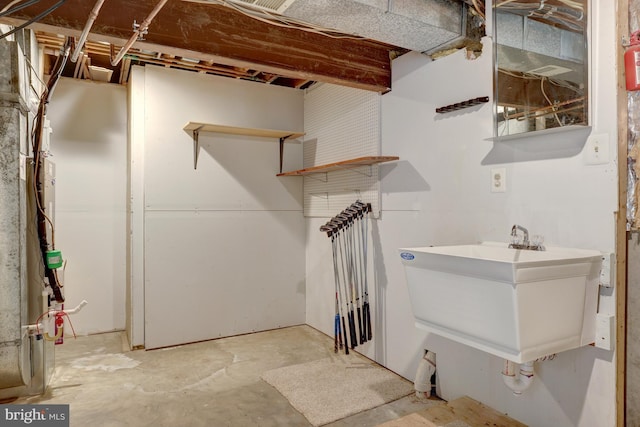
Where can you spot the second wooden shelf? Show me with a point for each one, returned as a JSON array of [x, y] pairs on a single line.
[[345, 164]]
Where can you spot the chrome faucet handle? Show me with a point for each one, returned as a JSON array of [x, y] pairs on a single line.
[[538, 241]]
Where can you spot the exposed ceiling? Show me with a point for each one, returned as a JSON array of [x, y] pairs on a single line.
[[230, 39]]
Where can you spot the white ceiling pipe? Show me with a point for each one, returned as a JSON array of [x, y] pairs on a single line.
[[87, 27], [140, 30]]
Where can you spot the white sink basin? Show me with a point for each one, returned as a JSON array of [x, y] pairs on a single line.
[[516, 304]]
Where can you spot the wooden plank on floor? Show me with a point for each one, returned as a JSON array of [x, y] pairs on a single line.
[[462, 412], [411, 420]]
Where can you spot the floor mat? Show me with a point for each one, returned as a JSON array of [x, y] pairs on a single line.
[[332, 388]]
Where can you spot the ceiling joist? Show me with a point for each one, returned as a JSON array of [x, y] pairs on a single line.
[[201, 36]]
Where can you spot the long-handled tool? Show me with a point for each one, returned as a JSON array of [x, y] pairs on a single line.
[[356, 248], [347, 276], [349, 237], [339, 332], [366, 208], [343, 278]]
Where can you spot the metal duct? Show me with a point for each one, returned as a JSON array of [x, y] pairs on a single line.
[[14, 354], [420, 25], [528, 46]]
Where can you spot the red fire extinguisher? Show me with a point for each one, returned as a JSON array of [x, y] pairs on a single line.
[[632, 62]]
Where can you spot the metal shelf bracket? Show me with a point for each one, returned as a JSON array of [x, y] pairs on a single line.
[[282, 140], [196, 146]]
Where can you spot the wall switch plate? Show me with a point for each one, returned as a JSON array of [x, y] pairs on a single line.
[[498, 180], [607, 271], [605, 331], [596, 149]]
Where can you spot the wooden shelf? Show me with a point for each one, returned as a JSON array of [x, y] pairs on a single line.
[[232, 130], [195, 128], [345, 164]]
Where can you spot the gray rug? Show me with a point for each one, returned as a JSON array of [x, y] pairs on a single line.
[[330, 389]]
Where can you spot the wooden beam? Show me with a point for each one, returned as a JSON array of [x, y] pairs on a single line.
[[210, 32], [621, 219], [526, 92]]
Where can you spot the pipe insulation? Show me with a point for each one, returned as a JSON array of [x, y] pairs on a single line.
[[14, 347]]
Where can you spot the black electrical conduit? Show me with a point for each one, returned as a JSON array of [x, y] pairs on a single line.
[[18, 7], [31, 21], [38, 178]]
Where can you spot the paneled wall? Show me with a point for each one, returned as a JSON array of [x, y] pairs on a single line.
[[89, 147], [440, 193], [222, 245]]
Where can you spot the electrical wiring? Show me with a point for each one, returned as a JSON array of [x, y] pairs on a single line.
[[34, 19], [544, 111], [36, 148], [7, 11], [571, 15], [570, 3], [35, 73], [281, 21], [478, 9], [553, 108], [58, 68], [567, 23], [540, 112], [529, 76], [7, 7], [522, 75], [566, 85]]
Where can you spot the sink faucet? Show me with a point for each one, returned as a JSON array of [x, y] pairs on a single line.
[[526, 244], [514, 233]]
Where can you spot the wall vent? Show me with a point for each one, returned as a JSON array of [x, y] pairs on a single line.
[[278, 6]]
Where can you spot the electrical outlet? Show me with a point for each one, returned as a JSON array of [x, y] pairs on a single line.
[[596, 150], [498, 180]]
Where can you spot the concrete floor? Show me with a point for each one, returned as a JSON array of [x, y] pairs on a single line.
[[212, 383]]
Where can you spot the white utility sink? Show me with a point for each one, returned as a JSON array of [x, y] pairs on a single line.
[[514, 303]]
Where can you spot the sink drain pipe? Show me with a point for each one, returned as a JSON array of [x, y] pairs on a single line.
[[426, 369], [521, 382]]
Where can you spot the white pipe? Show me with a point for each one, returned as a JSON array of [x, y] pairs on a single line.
[[72, 311], [40, 325], [426, 369], [519, 383], [140, 30], [87, 27]]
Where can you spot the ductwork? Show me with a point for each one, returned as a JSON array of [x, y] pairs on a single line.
[[529, 46], [14, 354], [420, 25]]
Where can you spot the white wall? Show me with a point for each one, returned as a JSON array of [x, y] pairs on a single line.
[[439, 193], [223, 245], [89, 147]]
